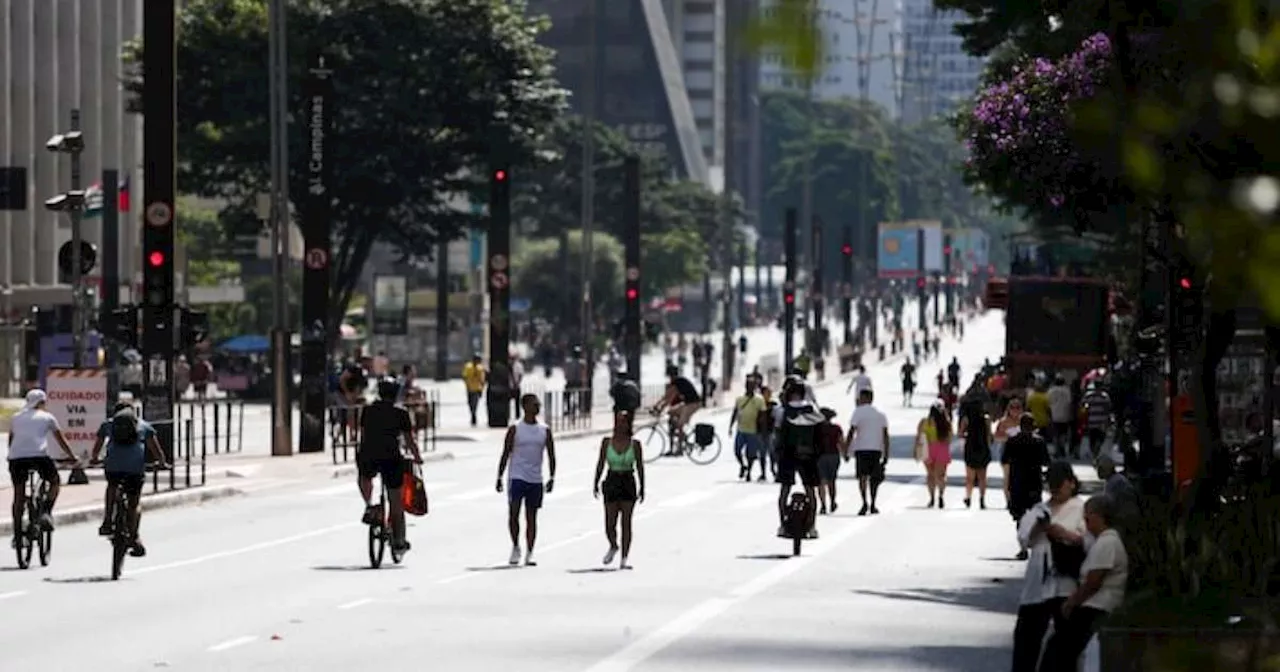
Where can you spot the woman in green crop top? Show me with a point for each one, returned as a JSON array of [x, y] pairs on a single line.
[[624, 457]]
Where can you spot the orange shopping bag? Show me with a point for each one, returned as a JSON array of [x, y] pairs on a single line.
[[413, 492]]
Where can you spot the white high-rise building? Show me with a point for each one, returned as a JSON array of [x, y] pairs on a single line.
[[937, 74], [858, 61], [698, 31]]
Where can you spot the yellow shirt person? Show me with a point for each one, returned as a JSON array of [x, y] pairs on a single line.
[[474, 375]]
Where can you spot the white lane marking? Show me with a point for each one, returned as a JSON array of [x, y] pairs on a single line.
[[282, 541], [232, 643], [356, 603], [16, 593], [685, 624], [689, 498], [757, 500]]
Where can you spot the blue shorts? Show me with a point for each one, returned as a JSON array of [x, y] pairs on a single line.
[[524, 491], [747, 445]]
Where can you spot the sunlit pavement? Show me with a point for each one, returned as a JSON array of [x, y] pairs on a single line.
[[278, 580]]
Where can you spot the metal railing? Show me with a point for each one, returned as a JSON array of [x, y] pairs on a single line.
[[344, 426], [216, 424]]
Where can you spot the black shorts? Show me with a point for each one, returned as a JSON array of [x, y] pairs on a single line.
[[20, 468], [789, 468], [390, 469], [129, 480], [829, 467], [869, 463], [619, 487]]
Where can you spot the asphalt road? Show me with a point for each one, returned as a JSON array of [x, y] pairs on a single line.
[[277, 580]]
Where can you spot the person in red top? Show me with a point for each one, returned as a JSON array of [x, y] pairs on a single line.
[[829, 461], [201, 372]]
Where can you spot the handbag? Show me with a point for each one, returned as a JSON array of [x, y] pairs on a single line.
[[413, 492], [1067, 558]]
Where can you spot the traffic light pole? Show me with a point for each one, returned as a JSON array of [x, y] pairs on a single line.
[[111, 273], [817, 261], [947, 266], [499, 241], [159, 138], [318, 242], [846, 280], [631, 249], [278, 93], [77, 272], [921, 281], [789, 290]]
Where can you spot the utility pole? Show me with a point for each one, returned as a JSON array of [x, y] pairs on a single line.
[[921, 281], [442, 310], [631, 251], [588, 209], [111, 273], [789, 290], [816, 286], [73, 203], [846, 271], [278, 70], [499, 242]]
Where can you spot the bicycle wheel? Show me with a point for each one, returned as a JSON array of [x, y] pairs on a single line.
[[703, 455], [396, 554], [120, 540], [378, 537], [654, 441], [22, 541], [44, 541]]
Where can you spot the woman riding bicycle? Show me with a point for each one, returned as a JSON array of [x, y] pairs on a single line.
[[29, 433], [683, 400]]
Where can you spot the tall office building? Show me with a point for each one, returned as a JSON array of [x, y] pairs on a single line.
[[859, 52], [698, 28], [637, 70], [937, 74], [57, 56]]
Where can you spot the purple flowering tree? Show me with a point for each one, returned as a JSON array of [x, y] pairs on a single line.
[[1021, 142]]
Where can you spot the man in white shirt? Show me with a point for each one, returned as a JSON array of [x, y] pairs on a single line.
[[861, 381], [1061, 412], [29, 433], [868, 440]]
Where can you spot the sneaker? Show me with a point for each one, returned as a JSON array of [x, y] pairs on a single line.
[[370, 515], [137, 550], [967, 502], [874, 510], [834, 506], [942, 504], [813, 534], [863, 510], [822, 511], [761, 479], [742, 474], [529, 561], [782, 532], [46, 521], [106, 530], [515, 556], [609, 556], [624, 564], [1022, 555]]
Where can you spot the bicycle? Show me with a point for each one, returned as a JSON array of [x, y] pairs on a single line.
[[380, 532], [659, 436], [122, 538], [33, 536]]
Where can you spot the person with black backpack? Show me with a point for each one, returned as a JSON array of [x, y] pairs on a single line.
[[128, 439], [799, 443]]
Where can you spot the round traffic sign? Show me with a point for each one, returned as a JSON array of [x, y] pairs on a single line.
[[317, 258], [633, 273], [499, 280], [159, 214], [498, 262]]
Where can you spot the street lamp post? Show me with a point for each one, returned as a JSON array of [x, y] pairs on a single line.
[[72, 203]]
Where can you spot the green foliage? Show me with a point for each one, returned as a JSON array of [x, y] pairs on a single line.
[[790, 29], [865, 170], [541, 270], [680, 220], [422, 88]]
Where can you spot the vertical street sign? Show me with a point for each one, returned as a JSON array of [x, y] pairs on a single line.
[[390, 305], [317, 212], [159, 162]]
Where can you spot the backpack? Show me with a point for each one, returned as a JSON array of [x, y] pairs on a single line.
[[124, 430], [804, 425]]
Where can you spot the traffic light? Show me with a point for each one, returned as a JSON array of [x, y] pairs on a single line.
[[920, 283], [195, 327], [789, 298], [500, 196], [121, 326], [632, 294], [846, 250]]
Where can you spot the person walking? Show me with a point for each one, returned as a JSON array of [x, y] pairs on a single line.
[[1097, 406], [1061, 414], [975, 429], [1047, 582], [474, 377], [766, 430], [1023, 459], [747, 411], [623, 456], [868, 440], [1000, 435], [934, 431], [829, 461], [526, 443]]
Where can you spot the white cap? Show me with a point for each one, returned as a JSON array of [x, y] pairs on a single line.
[[36, 397]]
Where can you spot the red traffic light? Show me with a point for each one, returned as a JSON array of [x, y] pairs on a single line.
[[846, 249], [946, 250], [156, 259], [991, 269], [789, 298], [920, 282], [1184, 283], [632, 294], [500, 175]]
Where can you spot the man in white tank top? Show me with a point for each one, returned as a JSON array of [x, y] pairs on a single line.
[[527, 441]]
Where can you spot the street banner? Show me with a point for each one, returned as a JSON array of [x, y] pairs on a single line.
[[317, 236], [78, 399], [897, 249], [390, 305]]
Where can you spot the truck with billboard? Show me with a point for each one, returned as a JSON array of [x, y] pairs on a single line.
[[1052, 323]]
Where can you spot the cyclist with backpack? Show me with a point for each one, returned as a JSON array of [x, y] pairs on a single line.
[[128, 438], [799, 442]]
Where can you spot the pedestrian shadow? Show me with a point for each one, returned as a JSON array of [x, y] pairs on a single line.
[[12, 568], [1008, 558], [352, 568], [766, 556], [80, 579], [764, 653], [592, 570], [493, 568], [995, 596]]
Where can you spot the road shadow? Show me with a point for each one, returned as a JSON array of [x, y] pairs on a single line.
[[80, 579], [12, 568], [493, 568], [742, 653], [997, 595], [352, 568], [766, 556], [592, 570]]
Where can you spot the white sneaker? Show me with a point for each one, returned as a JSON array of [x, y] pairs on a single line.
[[529, 561], [624, 564], [515, 556], [608, 557]]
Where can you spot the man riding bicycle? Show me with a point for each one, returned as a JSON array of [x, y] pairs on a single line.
[[683, 401], [384, 428], [798, 449], [29, 432], [128, 438]]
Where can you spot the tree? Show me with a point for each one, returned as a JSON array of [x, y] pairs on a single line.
[[423, 88], [538, 270]]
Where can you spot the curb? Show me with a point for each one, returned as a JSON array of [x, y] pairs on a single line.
[[163, 500], [347, 470]]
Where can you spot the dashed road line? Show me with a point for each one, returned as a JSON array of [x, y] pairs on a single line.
[[232, 643], [356, 603]]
